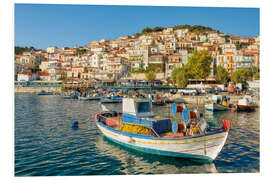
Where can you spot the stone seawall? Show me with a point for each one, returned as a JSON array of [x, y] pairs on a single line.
[[36, 89]]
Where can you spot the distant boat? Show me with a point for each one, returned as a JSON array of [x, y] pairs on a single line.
[[69, 95], [217, 103], [93, 97], [245, 104], [158, 101], [43, 92], [138, 128], [112, 99]]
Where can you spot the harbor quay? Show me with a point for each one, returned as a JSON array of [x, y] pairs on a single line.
[[189, 99], [57, 90]]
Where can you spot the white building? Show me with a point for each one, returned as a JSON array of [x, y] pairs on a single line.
[[228, 47], [52, 49], [27, 77], [95, 60], [181, 33]]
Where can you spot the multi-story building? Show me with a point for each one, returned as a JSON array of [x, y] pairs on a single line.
[[52, 49], [174, 61]]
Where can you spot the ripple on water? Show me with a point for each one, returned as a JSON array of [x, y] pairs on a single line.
[[46, 145]]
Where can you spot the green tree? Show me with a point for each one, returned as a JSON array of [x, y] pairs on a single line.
[[156, 29], [241, 75], [257, 74], [236, 77], [173, 75], [20, 50], [222, 75], [157, 68], [147, 30], [80, 51], [199, 65], [137, 35], [181, 78], [150, 76]]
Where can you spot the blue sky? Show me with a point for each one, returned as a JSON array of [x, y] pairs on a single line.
[[43, 25]]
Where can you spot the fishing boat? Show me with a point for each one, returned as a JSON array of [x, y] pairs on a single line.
[[70, 95], [245, 104], [43, 92], [112, 99], [158, 101], [137, 127], [105, 147], [217, 103], [92, 97]]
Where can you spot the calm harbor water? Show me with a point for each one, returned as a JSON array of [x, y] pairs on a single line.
[[46, 145]]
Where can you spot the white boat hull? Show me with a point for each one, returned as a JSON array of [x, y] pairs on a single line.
[[88, 98], [215, 107], [198, 147]]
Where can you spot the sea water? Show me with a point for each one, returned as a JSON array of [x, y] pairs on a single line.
[[47, 145]]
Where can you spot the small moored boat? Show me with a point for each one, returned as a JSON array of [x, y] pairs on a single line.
[[138, 128], [92, 97], [217, 103], [112, 99], [43, 92], [245, 104], [158, 101]]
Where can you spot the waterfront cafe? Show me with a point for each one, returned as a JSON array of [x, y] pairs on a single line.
[[81, 84], [38, 83], [139, 83]]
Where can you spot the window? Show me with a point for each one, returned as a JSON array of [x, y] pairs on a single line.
[[144, 107]]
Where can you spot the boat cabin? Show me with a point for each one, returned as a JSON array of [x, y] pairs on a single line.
[[137, 107], [247, 100], [139, 112], [219, 99]]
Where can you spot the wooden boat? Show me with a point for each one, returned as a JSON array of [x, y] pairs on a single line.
[[217, 103], [158, 138], [105, 146], [245, 104], [43, 92]]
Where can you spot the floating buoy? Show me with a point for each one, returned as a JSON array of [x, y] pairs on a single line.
[[75, 124], [174, 127]]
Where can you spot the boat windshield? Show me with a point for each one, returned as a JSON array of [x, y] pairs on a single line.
[[144, 107]]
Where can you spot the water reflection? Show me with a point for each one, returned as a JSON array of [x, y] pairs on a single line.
[[134, 162], [45, 143]]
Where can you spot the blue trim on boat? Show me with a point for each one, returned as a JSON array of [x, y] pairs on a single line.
[[157, 138], [160, 152]]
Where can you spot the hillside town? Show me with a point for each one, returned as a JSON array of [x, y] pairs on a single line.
[[127, 58]]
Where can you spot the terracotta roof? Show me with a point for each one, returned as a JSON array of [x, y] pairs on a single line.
[[78, 67], [238, 38], [175, 54], [43, 74]]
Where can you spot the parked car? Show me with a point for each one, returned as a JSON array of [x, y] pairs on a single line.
[[173, 91], [188, 91], [218, 89], [209, 90]]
